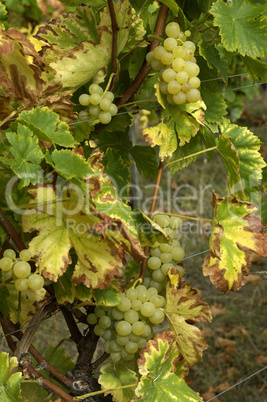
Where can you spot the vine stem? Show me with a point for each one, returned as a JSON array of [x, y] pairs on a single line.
[[11, 231], [191, 156], [105, 390], [152, 208], [146, 67]]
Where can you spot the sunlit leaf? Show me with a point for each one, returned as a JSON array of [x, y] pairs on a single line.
[[9, 379]]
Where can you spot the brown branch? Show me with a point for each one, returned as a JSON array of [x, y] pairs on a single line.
[[71, 323], [146, 67], [115, 30], [11, 231], [152, 208]]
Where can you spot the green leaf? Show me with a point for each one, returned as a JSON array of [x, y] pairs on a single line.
[[145, 159], [172, 6], [132, 269], [251, 162], [216, 106], [9, 383], [107, 297], [46, 125], [117, 166], [183, 308], [157, 365], [27, 155], [64, 287], [184, 155], [243, 27], [212, 56], [3, 11], [79, 45], [235, 228], [164, 136], [69, 165], [116, 375], [256, 68]]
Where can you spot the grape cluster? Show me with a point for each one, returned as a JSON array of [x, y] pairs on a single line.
[[20, 270], [177, 66], [163, 255], [126, 328], [99, 104]]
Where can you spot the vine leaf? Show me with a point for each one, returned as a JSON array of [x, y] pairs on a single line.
[[114, 376], [256, 68], [80, 45], [46, 125], [27, 156], [184, 304], [162, 373], [29, 303], [251, 162], [236, 229], [69, 164], [243, 26], [9, 381], [163, 135], [212, 56], [216, 105], [107, 297]]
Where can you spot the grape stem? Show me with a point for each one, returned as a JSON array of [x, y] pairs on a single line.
[[191, 155], [105, 390], [152, 37]]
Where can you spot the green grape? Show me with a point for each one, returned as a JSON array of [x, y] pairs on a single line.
[[99, 312], [189, 45], [84, 100], [116, 314], [109, 95], [134, 338], [122, 340], [150, 57], [98, 330], [158, 301], [115, 356], [155, 252], [126, 356], [146, 281], [25, 255], [165, 248], [124, 328], [193, 95], [158, 52], [166, 59], [157, 285], [131, 347], [194, 82], [165, 258], [125, 304], [187, 33], [168, 75], [182, 37], [186, 87], [6, 264], [94, 110], [104, 322], [192, 69], [164, 268], [158, 276], [35, 282], [83, 115], [136, 305], [147, 332], [107, 347], [113, 110], [178, 52], [157, 65], [131, 316], [98, 77], [188, 54], [170, 99], [22, 269], [178, 253], [108, 335], [105, 104], [163, 87], [9, 253], [179, 98], [104, 117], [172, 30], [132, 294], [141, 343], [155, 245], [161, 220], [175, 222], [169, 232], [175, 243], [157, 317], [182, 77], [147, 309], [21, 284], [152, 291], [174, 87], [95, 89], [154, 263], [178, 65], [193, 60], [95, 98], [169, 44], [138, 328], [143, 295], [114, 347]]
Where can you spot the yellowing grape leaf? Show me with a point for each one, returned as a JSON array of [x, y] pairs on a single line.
[[236, 228], [81, 44], [164, 136], [9, 379], [184, 307], [162, 372], [114, 376]]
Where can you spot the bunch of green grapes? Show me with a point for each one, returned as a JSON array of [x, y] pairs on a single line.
[[99, 104], [126, 328], [177, 66], [163, 256], [20, 270]]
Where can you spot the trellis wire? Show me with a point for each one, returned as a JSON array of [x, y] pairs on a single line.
[[240, 382]]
